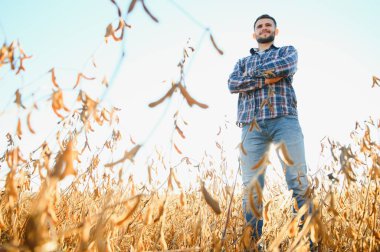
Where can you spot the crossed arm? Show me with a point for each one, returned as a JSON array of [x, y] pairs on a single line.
[[268, 73]]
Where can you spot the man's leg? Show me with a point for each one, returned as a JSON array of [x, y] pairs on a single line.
[[256, 144], [288, 130]]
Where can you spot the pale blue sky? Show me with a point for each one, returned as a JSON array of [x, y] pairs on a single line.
[[337, 42]]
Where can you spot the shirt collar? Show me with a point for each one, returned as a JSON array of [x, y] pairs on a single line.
[[255, 50]]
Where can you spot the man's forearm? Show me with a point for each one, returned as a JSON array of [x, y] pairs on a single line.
[[243, 83], [239, 81]]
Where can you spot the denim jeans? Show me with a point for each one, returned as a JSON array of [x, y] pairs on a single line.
[[256, 143]]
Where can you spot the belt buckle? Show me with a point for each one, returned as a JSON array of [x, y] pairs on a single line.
[[240, 124]]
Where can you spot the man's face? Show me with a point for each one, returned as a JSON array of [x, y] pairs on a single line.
[[265, 30]]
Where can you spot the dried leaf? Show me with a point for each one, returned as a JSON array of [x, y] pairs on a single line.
[[148, 219], [132, 5], [167, 95], [259, 193], [252, 205], [65, 161], [190, 100], [331, 207], [3, 53], [295, 205], [21, 66], [164, 245], [19, 131], [127, 155], [182, 199], [118, 8], [161, 208], [219, 131], [247, 237], [12, 158], [103, 115], [11, 186], [57, 102], [131, 139], [293, 228], [131, 209], [174, 176], [2, 224], [215, 46], [375, 81], [284, 154], [264, 161], [109, 31], [18, 99], [254, 125], [177, 149], [81, 75], [269, 73], [209, 200], [263, 103], [28, 123], [53, 78], [180, 132], [241, 147], [218, 145], [148, 12], [170, 182], [94, 62], [316, 180], [315, 233], [105, 81], [266, 211], [122, 24]]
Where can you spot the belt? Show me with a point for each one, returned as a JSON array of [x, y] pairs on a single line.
[[241, 124]]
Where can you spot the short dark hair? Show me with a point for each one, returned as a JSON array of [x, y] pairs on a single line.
[[262, 17]]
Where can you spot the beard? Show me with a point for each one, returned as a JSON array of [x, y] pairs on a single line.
[[268, 39]]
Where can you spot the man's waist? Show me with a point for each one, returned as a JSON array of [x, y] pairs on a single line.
[[242, 124]]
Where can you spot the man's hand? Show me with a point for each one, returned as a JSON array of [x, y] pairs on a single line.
[[272, 80]]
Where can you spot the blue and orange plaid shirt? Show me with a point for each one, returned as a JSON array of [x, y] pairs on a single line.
[[258, 100]]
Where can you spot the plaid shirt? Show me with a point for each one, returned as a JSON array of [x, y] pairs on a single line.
[[258, 100]]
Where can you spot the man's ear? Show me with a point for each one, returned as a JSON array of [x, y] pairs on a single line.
[[276, 32]]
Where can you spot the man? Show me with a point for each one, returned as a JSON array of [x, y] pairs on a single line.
[[267, 100]]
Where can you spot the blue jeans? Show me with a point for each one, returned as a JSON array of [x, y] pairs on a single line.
[[256, 143]]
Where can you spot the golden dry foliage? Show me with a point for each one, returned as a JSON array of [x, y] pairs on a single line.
[[11, 54], [101, 210], [115, 218], [122, 218]]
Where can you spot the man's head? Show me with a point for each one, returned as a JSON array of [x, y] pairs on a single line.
[[265, 29]]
